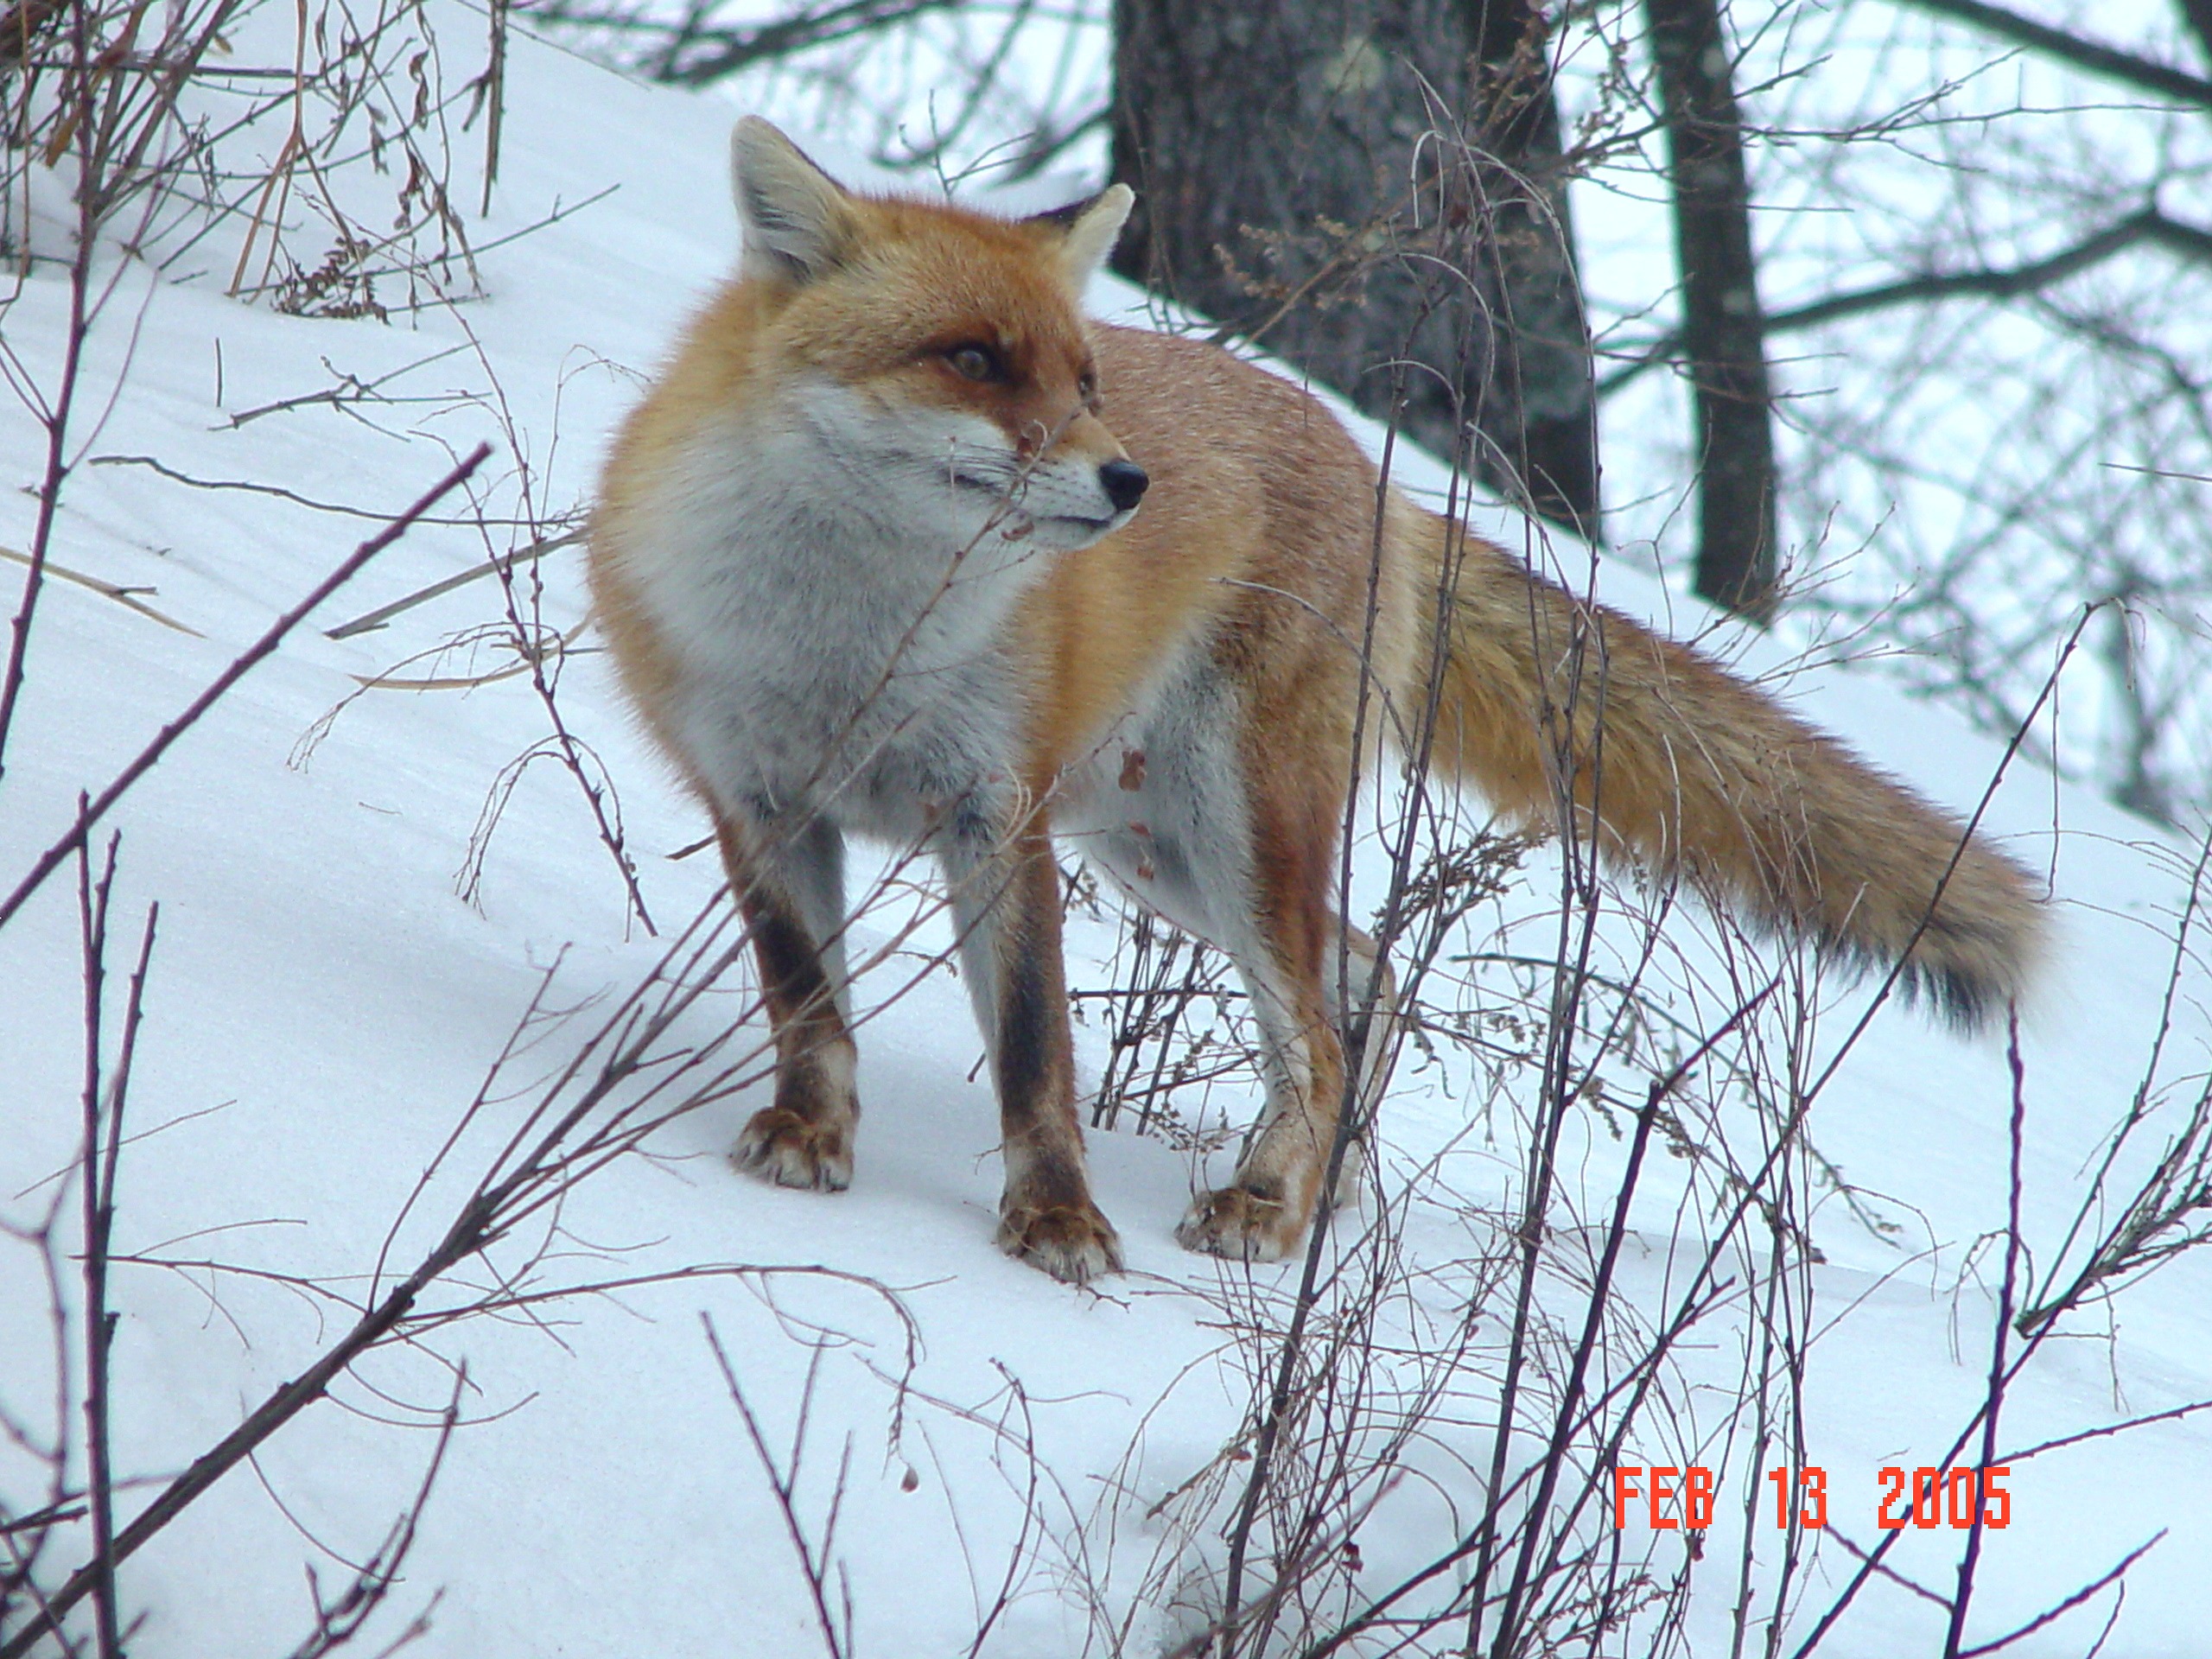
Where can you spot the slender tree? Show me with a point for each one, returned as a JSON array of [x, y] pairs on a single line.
[[1723, 335]]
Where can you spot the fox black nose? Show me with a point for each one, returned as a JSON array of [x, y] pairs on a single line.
[[1124, 482]]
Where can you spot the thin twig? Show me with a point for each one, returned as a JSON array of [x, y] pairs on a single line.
[[93, 811], [784, 1483], [2092, 56], [2071, 1602], [1993, 1399], [56, 418], [99, 1220]]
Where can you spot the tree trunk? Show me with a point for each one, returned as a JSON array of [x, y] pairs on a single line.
[[1284, 189], [1723, 327], [1540, 414]]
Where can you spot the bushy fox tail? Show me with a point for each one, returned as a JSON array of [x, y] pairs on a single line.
[[1678, 765]]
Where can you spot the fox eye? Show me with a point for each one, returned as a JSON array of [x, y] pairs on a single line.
[[975, 363], [1086, 387]]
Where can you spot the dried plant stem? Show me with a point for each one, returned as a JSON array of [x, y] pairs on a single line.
[[127, 597], [371, 620]]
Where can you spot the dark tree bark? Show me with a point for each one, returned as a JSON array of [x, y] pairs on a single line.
[[1723, 333], [1285, 190], [1540, 411]]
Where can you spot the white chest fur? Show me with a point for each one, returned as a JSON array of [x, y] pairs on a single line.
[[838, 609]]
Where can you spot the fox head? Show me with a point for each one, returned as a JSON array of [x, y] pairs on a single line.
[[938, 353]]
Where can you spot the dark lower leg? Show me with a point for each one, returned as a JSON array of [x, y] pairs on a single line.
[[1010, 914], [804, 1137]]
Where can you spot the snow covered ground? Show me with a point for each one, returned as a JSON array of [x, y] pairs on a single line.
[[323, 1006]]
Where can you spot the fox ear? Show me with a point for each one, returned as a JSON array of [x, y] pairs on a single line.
[[1091, 228], [797, 217]]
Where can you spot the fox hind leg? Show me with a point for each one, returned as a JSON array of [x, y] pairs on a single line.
[[788, 877], [1283, 939], [1263, 1213], [1363, 1006], [1236, 847]]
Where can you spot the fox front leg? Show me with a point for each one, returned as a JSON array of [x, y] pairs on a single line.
[[788, 878], [1006, 905]]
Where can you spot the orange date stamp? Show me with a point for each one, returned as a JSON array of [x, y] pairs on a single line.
[[1668, 1498]]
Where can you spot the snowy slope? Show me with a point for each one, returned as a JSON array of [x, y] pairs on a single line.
[[323, 1006]]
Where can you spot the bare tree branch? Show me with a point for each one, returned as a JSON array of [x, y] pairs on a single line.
[[2092, 56], [2150, 225], [695, 54]]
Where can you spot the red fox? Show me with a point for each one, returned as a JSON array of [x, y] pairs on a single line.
[[900, 545]]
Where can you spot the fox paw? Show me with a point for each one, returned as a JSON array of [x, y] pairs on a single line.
[[1073, 1243], [780, 1146], [1241, 1225]]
